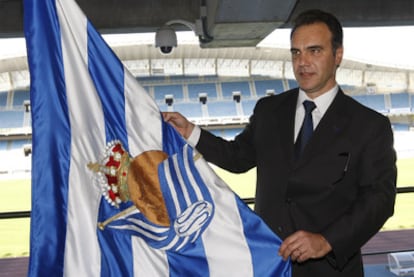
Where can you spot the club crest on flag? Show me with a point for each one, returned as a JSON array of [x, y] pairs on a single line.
[[112, 173], [193, 218], [123, 179]]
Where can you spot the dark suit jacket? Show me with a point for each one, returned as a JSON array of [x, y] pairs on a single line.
[[343, 185]]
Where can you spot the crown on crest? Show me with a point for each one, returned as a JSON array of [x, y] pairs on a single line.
[[112, 173]]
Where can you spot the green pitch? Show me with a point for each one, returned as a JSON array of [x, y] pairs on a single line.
[[15, 196]]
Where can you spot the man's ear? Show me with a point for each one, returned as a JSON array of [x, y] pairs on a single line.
[[338, 55]]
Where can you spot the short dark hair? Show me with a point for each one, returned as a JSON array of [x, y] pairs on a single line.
[[318, 16]]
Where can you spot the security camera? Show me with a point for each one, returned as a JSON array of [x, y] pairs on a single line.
[[165, 39]]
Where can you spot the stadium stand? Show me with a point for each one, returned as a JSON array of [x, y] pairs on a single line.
[[373, 101], [19, 143], [400, 127], [20, 96], [263, 86], [248, 106], [412, 102], [12, 119], [222, 108], [189, 109], [195, 89], [4, 144], [175, 90], [400, 101], [222, 112], [229, 87], [3, 99], [292, 83]]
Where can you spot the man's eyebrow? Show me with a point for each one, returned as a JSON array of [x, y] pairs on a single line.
[[314, 47], [308, 47]]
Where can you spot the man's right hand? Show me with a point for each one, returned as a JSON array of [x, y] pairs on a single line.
[[179, 122]]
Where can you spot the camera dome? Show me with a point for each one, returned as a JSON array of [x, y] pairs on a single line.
[[165, 39]]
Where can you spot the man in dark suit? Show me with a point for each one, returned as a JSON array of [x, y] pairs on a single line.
[[327, 197]]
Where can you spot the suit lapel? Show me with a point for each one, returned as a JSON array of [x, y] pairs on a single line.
[[286, 124]]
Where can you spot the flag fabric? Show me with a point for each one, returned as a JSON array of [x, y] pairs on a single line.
[[85, 102]]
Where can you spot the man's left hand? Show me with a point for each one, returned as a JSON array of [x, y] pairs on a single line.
[[302, 245]]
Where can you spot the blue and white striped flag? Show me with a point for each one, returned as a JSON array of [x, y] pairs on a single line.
[[84, 101]]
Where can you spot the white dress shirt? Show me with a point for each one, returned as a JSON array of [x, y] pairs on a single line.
[[322, 103]]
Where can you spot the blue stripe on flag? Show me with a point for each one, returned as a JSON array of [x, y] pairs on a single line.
[[51, 137], [192, 252], [261, 242], [193, 263], [171, 140], [107, 73]]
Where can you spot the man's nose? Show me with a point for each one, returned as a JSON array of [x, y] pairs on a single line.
[[303, 59]]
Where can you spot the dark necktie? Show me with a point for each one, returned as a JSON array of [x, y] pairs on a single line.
[[306, 130]]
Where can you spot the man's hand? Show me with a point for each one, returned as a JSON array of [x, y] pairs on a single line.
[[302, 245], [179, 122]]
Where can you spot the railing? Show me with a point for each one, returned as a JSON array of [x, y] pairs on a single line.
[[250, 200], [13, 215]]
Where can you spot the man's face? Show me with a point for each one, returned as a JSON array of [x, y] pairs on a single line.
[[313, 59]]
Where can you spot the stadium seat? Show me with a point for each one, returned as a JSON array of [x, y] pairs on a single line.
[[222, 108], [292, 83], [229, 87], [262, 86], [248, 106], [12, 119], [3, 98], [400, 100], [195, 89], [161, 90], [19, 97], [373, 101], [189, 109]]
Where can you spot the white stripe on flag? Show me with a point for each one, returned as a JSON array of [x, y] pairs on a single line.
[[224, 240], [143, 119], [190, 175], [148, 261], [81, 251], [171, 187], [181, 181]]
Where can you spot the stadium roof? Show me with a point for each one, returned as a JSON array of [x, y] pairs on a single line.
[[234, 23]]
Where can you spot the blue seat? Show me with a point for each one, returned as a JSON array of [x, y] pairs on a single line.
[[189, 109], [221, 108], [229, 87], [20, 96], [292, 83], [175, 90], [373, 101], [11, 119], [400, 100], [195, 89], [248, 106], [3, 98], [264, 85]]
